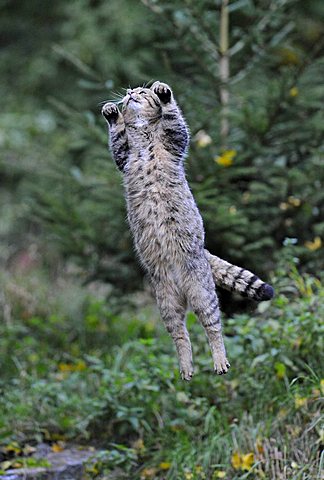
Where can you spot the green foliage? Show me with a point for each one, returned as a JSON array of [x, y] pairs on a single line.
[[130, 399], [80, 364], [55, 153], [46, 321], [271, 186]]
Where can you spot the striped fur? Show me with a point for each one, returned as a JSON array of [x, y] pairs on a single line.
[[238, 279], [149, 140]]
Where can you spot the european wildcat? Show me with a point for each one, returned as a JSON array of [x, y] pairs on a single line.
[[149, 140]]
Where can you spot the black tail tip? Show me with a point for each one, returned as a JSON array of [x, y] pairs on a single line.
[[266, 292]]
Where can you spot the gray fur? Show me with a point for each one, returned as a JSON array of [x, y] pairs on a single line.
[[149, 141]]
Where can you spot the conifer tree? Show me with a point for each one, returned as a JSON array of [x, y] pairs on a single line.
[[248, 75]]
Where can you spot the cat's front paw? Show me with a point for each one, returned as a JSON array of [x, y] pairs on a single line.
[[163, 91], [110, 112]]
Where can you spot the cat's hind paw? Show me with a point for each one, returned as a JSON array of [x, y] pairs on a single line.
[[221, 366], [186, 374]]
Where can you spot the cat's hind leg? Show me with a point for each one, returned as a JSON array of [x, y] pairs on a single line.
[[173, 312], [203, 300]]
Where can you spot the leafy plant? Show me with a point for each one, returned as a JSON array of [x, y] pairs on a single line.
[[131, 395]]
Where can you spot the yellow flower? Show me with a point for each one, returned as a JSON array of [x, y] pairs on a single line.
[[300, 401], [165, 465], [148, 473], [247, 461], [219, 474], [226, 158], [57, 447], [322, 385], [243, 462], [283, 206], [200, 471], [294, 201], [65, 367], [72, 367], [293, 92], [188, 475], [236, 460], [314, 245], [202, 139]]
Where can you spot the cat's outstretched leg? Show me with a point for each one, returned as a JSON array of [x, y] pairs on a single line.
[[202, 297], [118, 136], [238, 279], [173, 313], [174, 130]]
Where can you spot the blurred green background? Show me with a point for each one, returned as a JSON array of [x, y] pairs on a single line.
[[72, 292]]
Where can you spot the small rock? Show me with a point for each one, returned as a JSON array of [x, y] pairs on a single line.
[[65, 465]]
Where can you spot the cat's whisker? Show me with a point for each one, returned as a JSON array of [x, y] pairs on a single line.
[[117, 94], [147, 84], [109, 101], [118, 98]]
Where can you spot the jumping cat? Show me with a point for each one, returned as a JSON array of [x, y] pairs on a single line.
[[149, 140]]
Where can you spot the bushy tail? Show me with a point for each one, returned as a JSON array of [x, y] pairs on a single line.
[[238, 279]]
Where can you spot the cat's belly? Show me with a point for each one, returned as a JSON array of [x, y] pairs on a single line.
[[167, 228]]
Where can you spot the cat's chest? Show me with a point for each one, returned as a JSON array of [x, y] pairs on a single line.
[[152, 175], [158, 196], [161, 210]]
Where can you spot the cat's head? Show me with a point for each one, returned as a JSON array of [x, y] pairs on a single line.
[[141, 106]]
